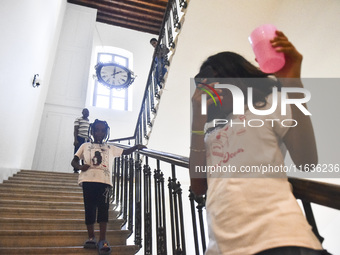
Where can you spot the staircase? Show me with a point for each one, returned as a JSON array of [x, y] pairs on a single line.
[[43, 213]]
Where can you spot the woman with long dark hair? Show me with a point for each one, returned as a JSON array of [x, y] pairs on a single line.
[[239, 165]]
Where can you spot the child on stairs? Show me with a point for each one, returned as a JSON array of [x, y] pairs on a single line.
[[96, 180]]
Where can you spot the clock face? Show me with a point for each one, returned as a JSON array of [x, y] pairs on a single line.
[[114, 75]]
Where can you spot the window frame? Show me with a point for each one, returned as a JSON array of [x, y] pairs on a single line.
[[111, 95]]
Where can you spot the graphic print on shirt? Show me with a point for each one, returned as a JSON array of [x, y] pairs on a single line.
[[221, 142], [97, 159], [100, 159]]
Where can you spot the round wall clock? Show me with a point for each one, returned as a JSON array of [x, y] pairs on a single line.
[[114, 75]]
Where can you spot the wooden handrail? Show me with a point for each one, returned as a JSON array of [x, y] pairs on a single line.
[[162, 156], [321, 193]]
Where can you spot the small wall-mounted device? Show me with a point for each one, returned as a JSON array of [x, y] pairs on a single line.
[[36, 81]]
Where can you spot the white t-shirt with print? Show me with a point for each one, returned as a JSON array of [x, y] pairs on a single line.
[[100, 157], [251, 212]]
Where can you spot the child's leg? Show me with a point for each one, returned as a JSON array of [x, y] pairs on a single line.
[[103, 210], [90, 213], [102, 227], [90, 207], [90, 231], [103, 217]]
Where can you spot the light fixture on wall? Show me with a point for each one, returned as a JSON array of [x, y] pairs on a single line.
[[36, 81]]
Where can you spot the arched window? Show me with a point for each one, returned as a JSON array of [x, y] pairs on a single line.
[[104, 97]]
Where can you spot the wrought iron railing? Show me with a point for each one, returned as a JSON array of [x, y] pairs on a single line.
[[164, 51], [145, 207], [140, 196]]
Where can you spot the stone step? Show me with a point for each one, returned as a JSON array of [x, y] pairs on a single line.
[[53, 188], [45, 182], [44, 204], [53, 193], [40, 204], [43, 178], [37, 197], [6, 212], [52, 224], [56, 238], [43, 213], [47, 174], [116, 250]]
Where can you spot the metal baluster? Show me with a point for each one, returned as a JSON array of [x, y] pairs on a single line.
[[183, 4], [118, 181], [126, 180], [180, 211], [164, 214], [200, 205], [148, 111], [140, 132], [131, 190], [155, 82], [193, 217], [166, 60], [138, 202], [175, 17], [114, 177], [121, 199], [174, 196], [173, 234], [164, 36], [147, 209], [157, 208], [177, 213], [144, 125], [171, 43], [152, 100], [160, 211]]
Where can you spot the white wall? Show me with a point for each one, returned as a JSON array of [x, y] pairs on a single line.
[[72, 81], [67, 93], [219, 25], [29, 36]]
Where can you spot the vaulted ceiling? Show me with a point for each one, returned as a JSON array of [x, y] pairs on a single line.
[[141, 15]]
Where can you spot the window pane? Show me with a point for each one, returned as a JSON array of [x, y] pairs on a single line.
[[103, 101], [118, 104], [118, 93], [105, 58], [111, 98], [102, 90], [120, 60]]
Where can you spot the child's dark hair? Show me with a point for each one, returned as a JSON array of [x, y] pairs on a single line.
[[243, 73], [93, 126]]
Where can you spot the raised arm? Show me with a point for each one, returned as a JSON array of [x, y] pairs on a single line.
[[299, 140]]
